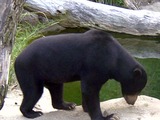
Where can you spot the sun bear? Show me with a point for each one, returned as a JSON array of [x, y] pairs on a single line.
[[92, 57]]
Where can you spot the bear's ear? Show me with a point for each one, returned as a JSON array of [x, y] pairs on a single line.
[[137, 72]]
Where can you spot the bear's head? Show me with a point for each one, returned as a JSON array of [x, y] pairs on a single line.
[[133, 84]]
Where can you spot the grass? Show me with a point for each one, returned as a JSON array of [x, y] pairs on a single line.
[[72, 92], [112, 88], [26, 33], [112, 2], [152, 67]]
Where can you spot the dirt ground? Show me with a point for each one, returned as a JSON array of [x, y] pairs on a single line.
[[146, 108], [10, 110]]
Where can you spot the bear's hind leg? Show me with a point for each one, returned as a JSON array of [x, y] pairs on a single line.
[[56, 91], [30, 98], [31, 87]]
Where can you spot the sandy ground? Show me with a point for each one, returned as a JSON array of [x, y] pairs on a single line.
[[10, 110], [146, 108]]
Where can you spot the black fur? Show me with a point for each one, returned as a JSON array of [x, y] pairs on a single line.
[[92, 57]]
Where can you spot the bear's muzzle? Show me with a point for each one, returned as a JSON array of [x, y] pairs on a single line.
[[131, 99]]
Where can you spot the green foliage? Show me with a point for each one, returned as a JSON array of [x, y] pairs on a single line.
[[26, 33], [152, 67], [112, 2], [72, 92], [112, 89]]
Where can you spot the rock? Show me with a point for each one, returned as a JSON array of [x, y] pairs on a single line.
[[153, 5], [29, 17], [32, 18], [145, 108]]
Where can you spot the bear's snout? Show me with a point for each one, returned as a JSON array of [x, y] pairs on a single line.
[[131, 99]]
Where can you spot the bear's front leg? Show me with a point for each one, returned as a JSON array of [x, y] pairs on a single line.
[[56, 91], [91, 102]]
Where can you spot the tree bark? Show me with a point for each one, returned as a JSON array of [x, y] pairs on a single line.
[[9, 15], [82, 13]]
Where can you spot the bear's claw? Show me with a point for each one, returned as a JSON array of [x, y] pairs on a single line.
[[65, 106], [32, 114], [111, 116]]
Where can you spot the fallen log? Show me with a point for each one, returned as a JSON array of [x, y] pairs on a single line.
[[82, 13]]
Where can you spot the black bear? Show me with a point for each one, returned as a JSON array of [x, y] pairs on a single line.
[[92, 57]]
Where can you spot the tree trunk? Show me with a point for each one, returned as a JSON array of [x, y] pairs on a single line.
[[9, 15], [82, 13]]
